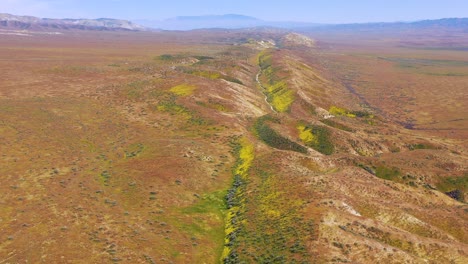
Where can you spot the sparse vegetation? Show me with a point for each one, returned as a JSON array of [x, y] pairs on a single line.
[[168, 104], [335, 124], [212, 75], [134, 150], [213, 104], [134, 90], [166, 57], [105, 177]]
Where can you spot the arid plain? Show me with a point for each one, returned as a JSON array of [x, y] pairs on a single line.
[[233, 146]]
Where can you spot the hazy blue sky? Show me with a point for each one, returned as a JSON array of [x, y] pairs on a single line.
[[321, 11]]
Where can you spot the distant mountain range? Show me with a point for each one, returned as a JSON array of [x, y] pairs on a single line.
[[233, 21], [229, 21], [34, 23], [459, 24]]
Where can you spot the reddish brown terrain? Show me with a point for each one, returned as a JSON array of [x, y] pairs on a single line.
[[231, 146]]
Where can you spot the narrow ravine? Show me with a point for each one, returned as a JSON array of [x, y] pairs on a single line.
[[263, 88]]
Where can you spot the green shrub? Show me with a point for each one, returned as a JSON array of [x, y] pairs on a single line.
[[316, 137], [387, 173], [453, 184], [201, 57], [166, 57], [339, 111], [421, 146], [273, 138]]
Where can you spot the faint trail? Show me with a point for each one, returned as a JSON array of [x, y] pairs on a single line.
[[350, 88], [263, 88]]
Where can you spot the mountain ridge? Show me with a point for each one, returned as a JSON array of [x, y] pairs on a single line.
[[236, 21], [226, 21], [30, 22], [225, 16]]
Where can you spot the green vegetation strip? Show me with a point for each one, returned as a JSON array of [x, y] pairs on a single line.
[[339, 111], [276, 229], [211, 75], [235, 200], [273, 138], [276, 89], [265, 221]]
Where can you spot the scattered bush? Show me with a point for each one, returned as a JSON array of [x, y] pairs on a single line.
[[370, 169], [105, 176], [134, 150], [169, 105], [213, 104]]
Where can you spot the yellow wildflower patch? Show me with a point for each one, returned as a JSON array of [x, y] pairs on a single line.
[[183, 89]]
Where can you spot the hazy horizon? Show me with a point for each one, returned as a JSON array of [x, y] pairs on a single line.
[[330, 12]]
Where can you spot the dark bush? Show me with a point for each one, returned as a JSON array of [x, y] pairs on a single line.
[[274, 139]]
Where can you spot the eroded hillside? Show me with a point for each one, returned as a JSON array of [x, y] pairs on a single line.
[[165, 148]]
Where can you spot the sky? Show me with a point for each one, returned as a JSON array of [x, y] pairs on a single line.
[[318, 11]]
